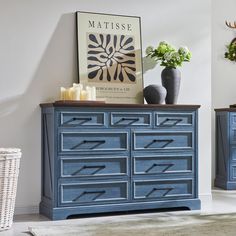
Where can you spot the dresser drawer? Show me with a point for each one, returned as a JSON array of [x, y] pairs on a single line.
[[162, 140], [232, 133], [121, 119], [93, 141], [233, 118], [93, 192], [154, 189], [94, 166], [162, 164], [163, 119], [82, 119]]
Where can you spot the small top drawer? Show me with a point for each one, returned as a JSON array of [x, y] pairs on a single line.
[[163, 119], [121, 119], [79, 119]]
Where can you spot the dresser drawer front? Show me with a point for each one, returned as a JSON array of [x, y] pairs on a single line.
[[121, 119], [233, 153], [233, 135], [82, 119], [154, 189], [233, 118], [163, 119], [94, 167], [163, 140], [163, 164], [93, 141], [93, 192]]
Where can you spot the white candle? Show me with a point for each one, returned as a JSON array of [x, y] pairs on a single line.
[[67, 94], [94, 93], [71, 92], [75, 84], [83, 95], [77, 93], [89, 93], [63, 93], [78, 86]]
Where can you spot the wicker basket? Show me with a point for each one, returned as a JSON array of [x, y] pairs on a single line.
[[9, 170]]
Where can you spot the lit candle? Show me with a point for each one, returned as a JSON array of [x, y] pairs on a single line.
[[83, 95]]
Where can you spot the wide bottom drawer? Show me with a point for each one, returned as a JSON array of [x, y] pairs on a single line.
[[80, 193], [163, 189]]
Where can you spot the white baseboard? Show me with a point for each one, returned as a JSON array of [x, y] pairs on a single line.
[[22, 210], [206, 202], [205, 197]]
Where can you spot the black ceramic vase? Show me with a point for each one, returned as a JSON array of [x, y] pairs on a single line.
[[170, 78], [154, 94]]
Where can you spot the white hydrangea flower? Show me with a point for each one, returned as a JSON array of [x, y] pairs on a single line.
[[149, 49], [168, 56], [163, 43], [183, 50], [175, 56]]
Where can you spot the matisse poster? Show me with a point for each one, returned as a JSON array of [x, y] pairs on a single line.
[[110, 56]]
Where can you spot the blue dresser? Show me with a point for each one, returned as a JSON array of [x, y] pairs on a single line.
[[225, 148], [115, 157]]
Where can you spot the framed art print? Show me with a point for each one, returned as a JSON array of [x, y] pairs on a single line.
[[110, 56]]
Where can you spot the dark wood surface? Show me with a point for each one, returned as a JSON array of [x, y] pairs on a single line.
[[231, 107], [113, 105], [226, 109]]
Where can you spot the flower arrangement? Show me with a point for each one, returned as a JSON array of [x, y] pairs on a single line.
[[168, 56], [231, 52]]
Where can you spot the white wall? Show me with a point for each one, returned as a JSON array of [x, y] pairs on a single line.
[[223, 70], [38, 55]]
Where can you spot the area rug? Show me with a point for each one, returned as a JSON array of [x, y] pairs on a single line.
[[145, 225]]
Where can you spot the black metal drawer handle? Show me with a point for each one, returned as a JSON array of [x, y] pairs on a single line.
[[96, 143], [132, 120], [167, 190], [82, 119], [165, 141], [97, 169], [167, 166], [97, 193], [175, 121]]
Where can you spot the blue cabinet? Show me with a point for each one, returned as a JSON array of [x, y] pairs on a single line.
[[226, 148], [115, 157]]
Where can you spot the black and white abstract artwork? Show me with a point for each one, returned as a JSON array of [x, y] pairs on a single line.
[[111, 58]]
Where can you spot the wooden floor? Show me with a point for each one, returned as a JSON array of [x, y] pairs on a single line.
[[222, 202]]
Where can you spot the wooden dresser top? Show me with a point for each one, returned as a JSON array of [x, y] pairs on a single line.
[[112, 105]]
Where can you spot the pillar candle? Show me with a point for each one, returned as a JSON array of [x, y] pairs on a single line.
[[63, 93], [78, 86], [89, 93], [94, 93], [83, 95], [67, 94], [71, 92], [77, 93]]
